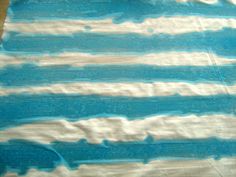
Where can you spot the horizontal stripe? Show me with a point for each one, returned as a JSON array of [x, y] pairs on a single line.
[[123, 43], [233, 1], [135, 89], [203, 1], [158, 168], [120, 129], [18, 109], [164, 25], [34, 75], [42, 156], [83, 59], [118, 10]]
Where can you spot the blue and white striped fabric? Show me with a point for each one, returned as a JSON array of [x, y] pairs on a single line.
[[127, 88]]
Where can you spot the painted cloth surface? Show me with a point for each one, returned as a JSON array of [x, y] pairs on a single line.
[[118, 88]]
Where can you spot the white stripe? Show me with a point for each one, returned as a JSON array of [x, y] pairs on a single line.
[[133, 89], [202, 1], [83, 59], [232, 1], [96, 130], [164, 25], [158, 168]]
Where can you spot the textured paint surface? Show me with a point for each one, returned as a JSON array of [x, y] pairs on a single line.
[[24, 108], [119, 10], [122, 88], [76, 153], [162, 25], [124, 43], [85, 59], [133, 89], [157, 168], [116, 129], [34, 75]]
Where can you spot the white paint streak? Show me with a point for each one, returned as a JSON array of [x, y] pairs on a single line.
[[158, 168], [202, 1], [156, 59], [162, 25], [96, 130], [232, 1], [132, 89]]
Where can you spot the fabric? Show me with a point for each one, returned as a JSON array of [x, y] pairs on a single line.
[[128, 88]]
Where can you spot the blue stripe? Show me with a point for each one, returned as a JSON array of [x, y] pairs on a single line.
[[34, 75], [18, 109], [119, 10], [19, 156], [221, 42]]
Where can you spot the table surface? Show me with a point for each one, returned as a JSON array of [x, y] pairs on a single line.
[[3, 10]]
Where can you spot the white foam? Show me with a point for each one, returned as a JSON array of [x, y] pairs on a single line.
[[95, 130], [131, 89], [158, 168], [161, 25], [155, 59], [202, 1]]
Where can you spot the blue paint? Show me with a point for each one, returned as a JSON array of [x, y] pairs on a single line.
[[119, 10], [18, 109], [33, 75], [220, 42], [19, 156]]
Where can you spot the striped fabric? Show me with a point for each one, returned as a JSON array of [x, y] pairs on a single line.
[[118, 88]]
